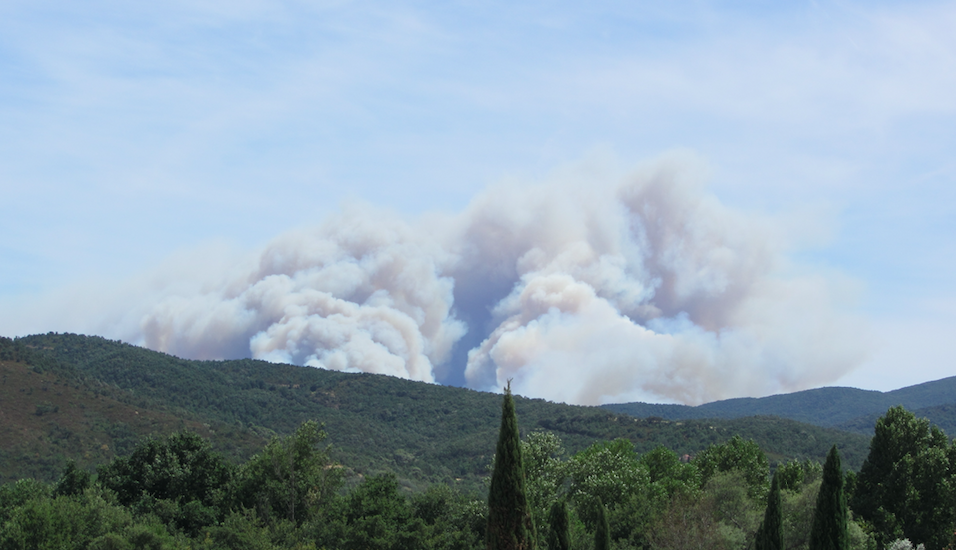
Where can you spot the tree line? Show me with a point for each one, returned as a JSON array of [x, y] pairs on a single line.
[[176, 492], [903, 496]]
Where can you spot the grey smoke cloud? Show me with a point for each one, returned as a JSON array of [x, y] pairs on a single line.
[[586, 289]]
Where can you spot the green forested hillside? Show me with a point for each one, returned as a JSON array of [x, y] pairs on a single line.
[[422, 432], [928, 394], [941, 416], [49, 413], [821, 407], [68, 403], [847, 409]]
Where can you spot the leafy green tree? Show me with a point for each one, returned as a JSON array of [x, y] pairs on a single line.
[[907, 484], [179, 479], [607, 471], [669, 477], [798, 507], [736, 454], [510, 525], [377, 517], [73, 481], [770, 534], [453, 521], [602, 534], [737, 514], [559, 537], [545, 473], [292, 478], [181, 468], [610, 472], [830, 518], [793, 475], [64, 522], [240, 530], [16, 494], [668, 474]]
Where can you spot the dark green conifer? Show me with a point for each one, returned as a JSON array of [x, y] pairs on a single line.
[[559, 535], [602, 533], [830, 519], [770, 534], [510, 526]]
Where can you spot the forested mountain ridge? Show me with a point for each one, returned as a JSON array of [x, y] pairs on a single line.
[[422, 432], [847, 409]]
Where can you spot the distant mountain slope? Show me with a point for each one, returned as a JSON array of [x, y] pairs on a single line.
[[821, 407], [943, 416], [928, 394], [423, 432], [844, 408]]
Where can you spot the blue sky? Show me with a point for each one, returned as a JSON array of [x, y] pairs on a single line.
[[131, 134]]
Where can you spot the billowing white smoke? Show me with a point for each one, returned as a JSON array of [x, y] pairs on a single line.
[[360, 294], [582, 290]]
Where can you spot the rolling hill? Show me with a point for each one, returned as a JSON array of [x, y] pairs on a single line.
[[847, 409], [102, 394]]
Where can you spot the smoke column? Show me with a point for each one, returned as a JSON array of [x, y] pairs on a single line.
[[586, 289]]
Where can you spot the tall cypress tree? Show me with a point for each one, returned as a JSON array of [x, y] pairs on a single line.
[[602, 534], [770, 535], [510, 526], [830, 519], [559, 537]]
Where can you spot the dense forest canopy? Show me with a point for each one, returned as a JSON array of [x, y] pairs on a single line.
[[176, 491]]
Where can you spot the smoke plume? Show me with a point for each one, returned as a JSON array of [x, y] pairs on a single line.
[[586, 289]]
